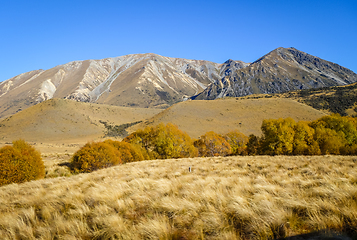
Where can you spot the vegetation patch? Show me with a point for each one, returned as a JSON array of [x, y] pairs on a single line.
[[20, 163], [117, 130]]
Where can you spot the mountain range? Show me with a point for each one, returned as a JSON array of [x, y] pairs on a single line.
[[154, 81]]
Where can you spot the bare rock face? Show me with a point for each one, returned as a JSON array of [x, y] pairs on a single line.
[[282, 70], [142, 80]]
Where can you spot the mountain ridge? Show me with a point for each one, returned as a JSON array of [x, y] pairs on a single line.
[[281, 70], [153, 81]]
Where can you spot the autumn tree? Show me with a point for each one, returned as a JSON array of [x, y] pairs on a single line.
[[278, 136], [164, 141], [238, 142], [212, 144], [128, 152], [253, 145], [304, 142]]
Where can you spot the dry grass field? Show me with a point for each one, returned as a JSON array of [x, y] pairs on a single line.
[[223, 115], [64, 122], [254, 197]]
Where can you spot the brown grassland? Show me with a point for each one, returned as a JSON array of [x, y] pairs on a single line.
[[252, 197], [223, 115]]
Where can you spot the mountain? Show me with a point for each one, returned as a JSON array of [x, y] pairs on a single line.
[[282, 70], [224, 115], [138, 80], [154, 81]]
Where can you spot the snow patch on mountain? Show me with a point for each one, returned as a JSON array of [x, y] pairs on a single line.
[[47, 91]]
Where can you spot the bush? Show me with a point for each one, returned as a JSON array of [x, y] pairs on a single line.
[[212, 144], [238, 142], [163, 142], [20, 163], [128, 152], [278, 136], [94, 156]]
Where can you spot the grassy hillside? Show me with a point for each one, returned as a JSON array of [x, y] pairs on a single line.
[[67, 121], [222, 115], [340, 99], [222, 198]]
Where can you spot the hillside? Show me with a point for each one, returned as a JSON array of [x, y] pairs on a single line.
[[340, 99], [223, 115], [281, 70], [67, 121], [232, 198]]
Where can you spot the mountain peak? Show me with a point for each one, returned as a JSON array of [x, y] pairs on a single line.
[[281, 70]]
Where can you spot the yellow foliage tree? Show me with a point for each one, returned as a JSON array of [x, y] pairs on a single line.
[[238, 142], [164, 141], [212, 144], [304, 142], [278, 136], [128, 152]]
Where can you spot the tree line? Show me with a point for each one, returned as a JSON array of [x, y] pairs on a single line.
[[334, 134]]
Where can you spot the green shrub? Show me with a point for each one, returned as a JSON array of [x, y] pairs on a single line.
[[94, 156], [128, 152], [20, 163]]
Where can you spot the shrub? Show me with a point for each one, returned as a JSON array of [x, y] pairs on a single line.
[[304, 142], [278, 136], [128, 152], [163, 141], [20, 163], [212, 144], [238, 142], [94, 156], [253, 147]]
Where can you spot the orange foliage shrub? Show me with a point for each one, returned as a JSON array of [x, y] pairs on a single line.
[[212, 144], [128, 152], [94, 156], [20, 163]]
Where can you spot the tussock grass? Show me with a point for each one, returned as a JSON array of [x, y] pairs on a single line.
[[256, 197]]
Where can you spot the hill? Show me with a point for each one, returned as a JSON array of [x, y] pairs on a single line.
[[257, 197], [281, 70], [223, 115], [67, 121]]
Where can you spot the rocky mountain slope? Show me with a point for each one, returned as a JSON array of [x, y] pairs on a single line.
[[282, 70], [138, 80]]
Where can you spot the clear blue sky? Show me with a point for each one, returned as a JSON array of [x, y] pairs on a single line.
[[42, 34]]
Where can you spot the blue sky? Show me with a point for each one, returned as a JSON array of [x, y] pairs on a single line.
[[42, 34]]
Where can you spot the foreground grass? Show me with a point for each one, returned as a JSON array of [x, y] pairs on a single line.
[[257, 197]]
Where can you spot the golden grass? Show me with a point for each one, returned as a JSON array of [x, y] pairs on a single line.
[[256, 197], [224, 115]]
